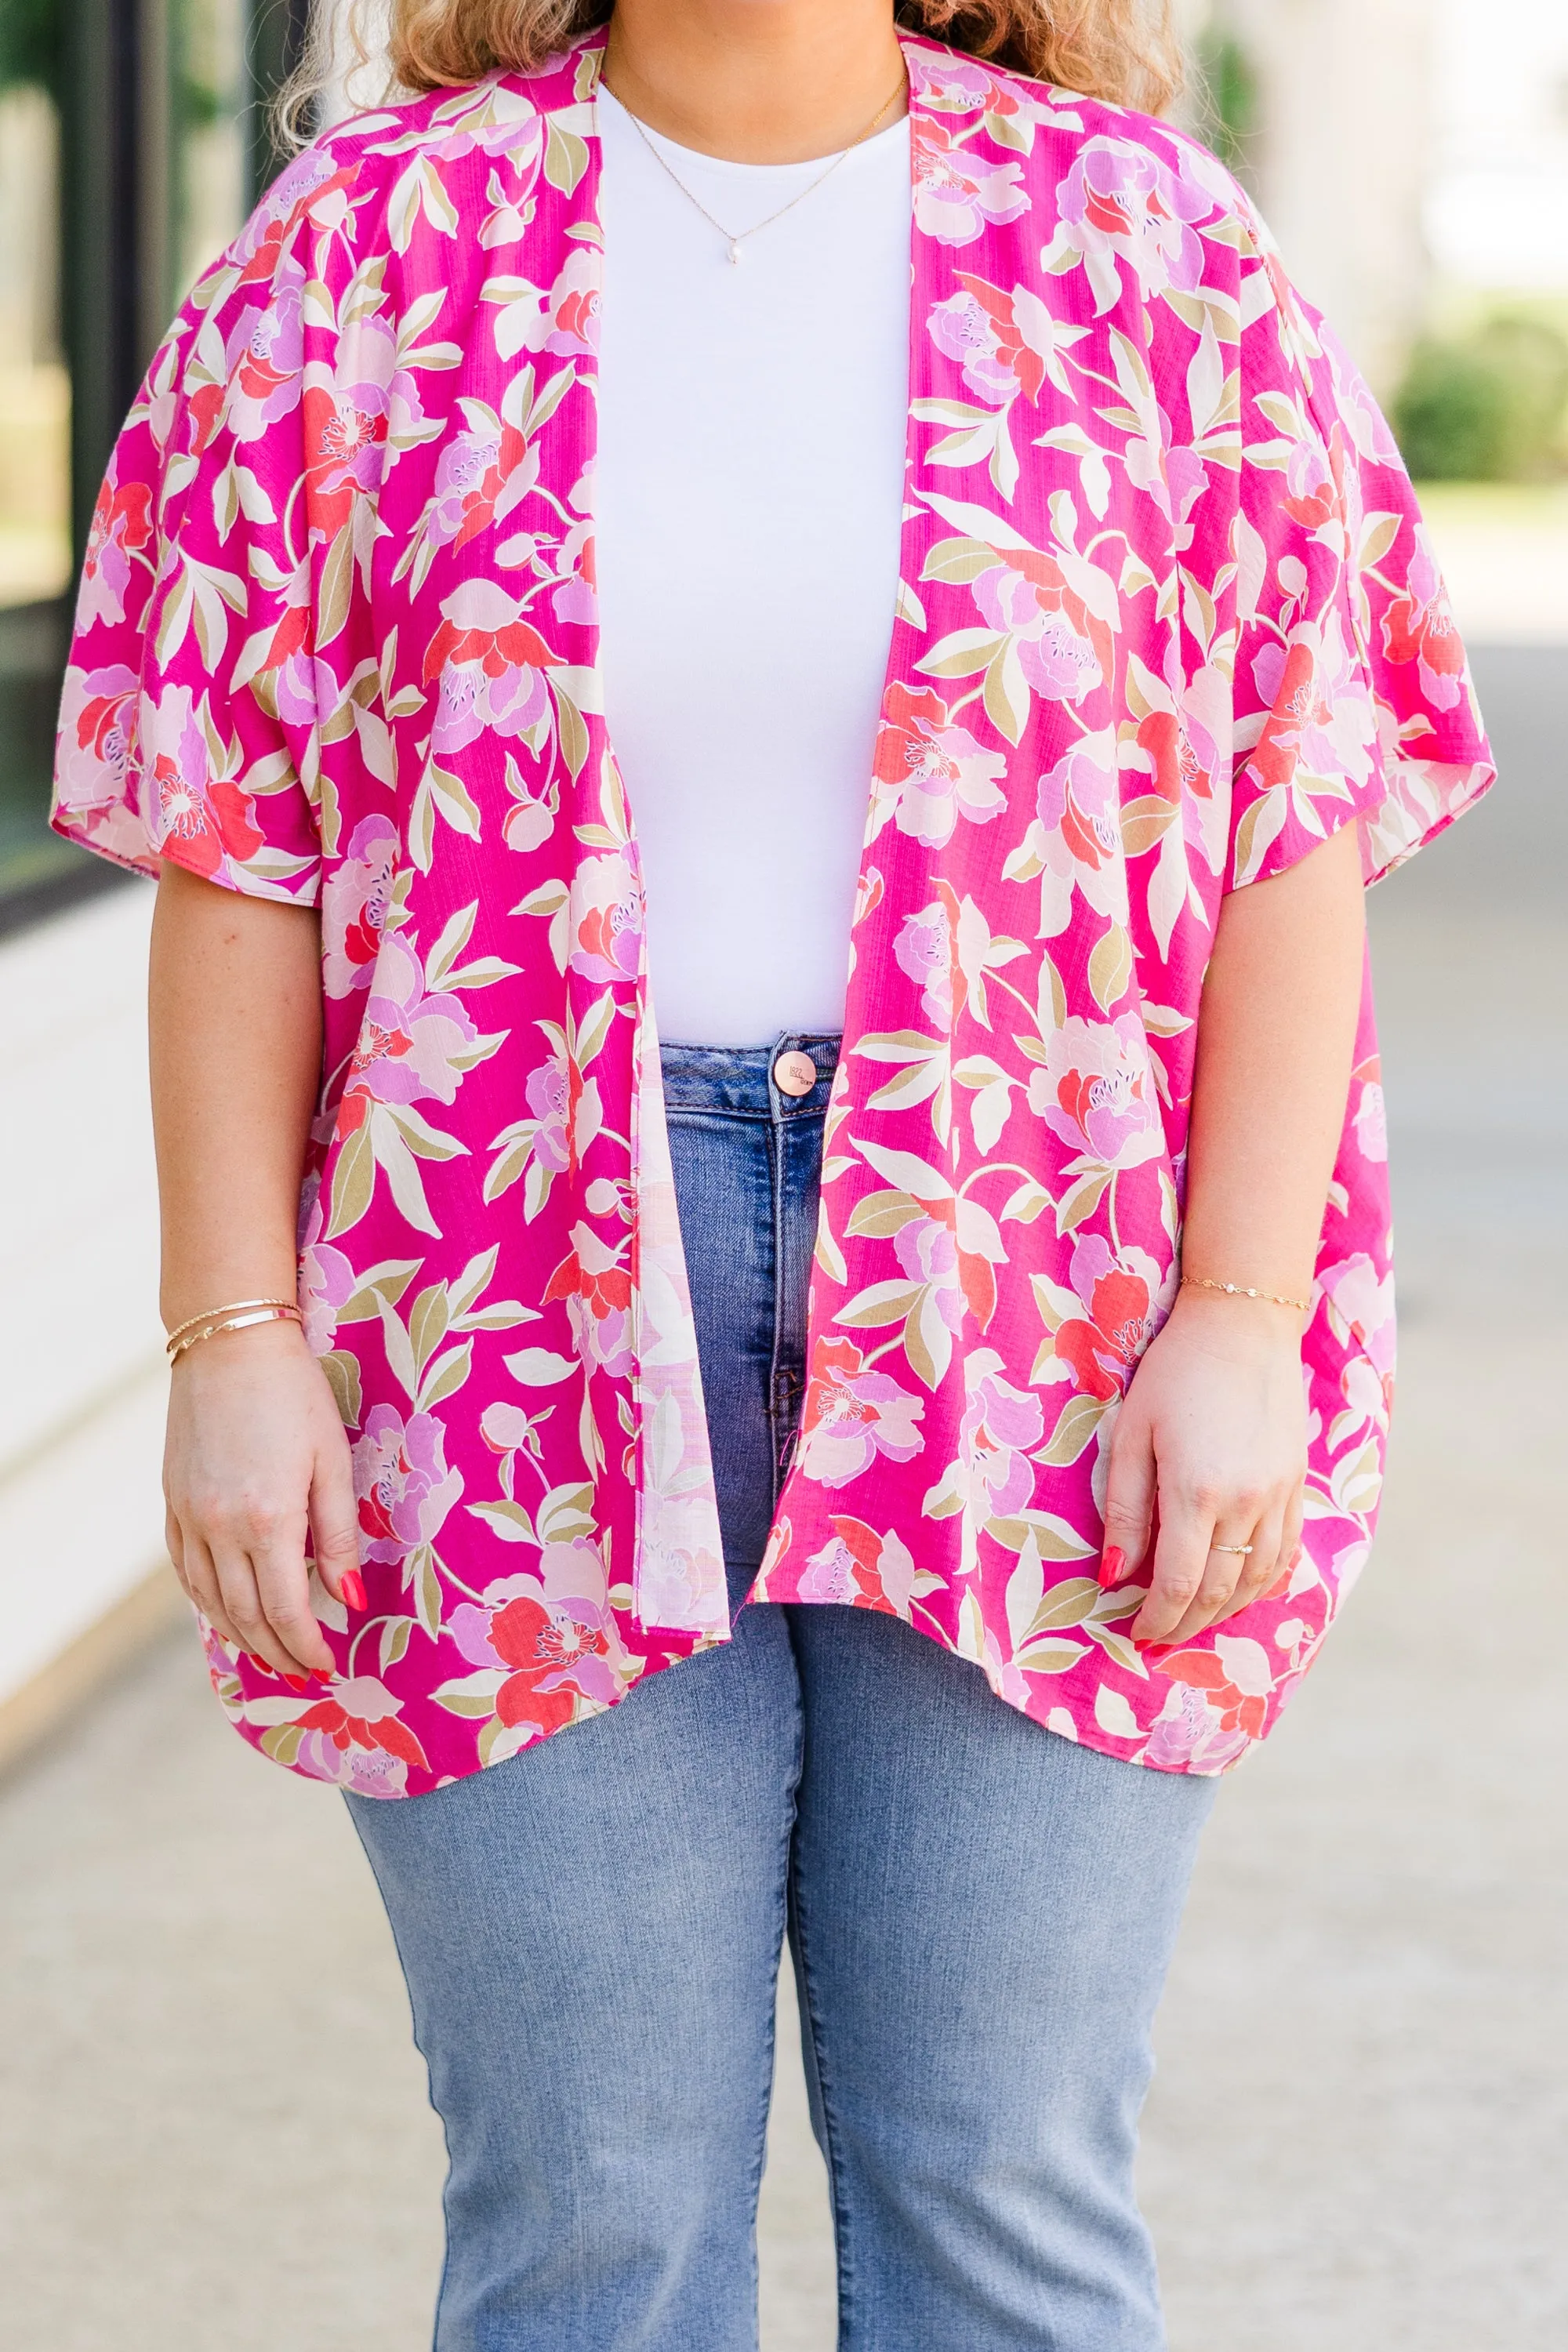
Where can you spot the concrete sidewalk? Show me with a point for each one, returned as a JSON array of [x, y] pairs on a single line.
[[212, 2135]]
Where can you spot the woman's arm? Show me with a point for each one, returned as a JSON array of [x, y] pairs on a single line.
[[256, 1456], [1212, 1440]]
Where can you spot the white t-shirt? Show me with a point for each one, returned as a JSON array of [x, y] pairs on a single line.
[[748, 498]]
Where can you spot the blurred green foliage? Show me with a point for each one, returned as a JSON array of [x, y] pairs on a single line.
[[197, 101], [1230, 117], [32, 43], [32, 50], [1490, 405]]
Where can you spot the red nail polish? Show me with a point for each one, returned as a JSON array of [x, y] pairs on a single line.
[[351, 1585], [296, 1682], [1112, 1567]]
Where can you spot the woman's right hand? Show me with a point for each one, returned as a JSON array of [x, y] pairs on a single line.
[[257, 1460]]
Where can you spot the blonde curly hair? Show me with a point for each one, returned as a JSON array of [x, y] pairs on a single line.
[[1124, 50]]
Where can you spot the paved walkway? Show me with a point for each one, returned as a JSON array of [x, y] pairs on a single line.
[[212, 2130]]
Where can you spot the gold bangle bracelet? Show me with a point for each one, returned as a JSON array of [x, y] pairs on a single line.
[[279, 1314], [211, 1314], [1242, 1290]]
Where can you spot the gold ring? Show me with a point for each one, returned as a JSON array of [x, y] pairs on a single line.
[[1237, 1548]]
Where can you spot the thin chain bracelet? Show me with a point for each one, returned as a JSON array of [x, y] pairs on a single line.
[[1241, 1290], [211, 1314], [271, 1310]]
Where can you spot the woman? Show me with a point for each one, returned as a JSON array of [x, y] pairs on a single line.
[[984, 1538]]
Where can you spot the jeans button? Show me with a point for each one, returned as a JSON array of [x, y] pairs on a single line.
[[795, 1074]]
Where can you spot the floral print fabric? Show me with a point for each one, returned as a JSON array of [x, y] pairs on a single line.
[[1167, 619]]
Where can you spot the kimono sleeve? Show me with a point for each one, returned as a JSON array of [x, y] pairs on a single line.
[[187, 718], [1353, 696]]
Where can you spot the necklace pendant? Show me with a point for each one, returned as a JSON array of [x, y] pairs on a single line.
[[734, 249]]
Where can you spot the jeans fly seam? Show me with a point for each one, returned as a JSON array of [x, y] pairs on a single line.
[[776, 1175]]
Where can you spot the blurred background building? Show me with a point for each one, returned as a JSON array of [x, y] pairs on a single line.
[[1325, 108], [134, 137], [1411, 158]]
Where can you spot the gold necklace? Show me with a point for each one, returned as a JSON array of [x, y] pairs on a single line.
[[734, 238]]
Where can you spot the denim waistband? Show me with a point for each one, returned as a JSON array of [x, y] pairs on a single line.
[[739, 1079]]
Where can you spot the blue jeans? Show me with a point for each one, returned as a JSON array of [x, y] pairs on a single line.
[[980, 1914]]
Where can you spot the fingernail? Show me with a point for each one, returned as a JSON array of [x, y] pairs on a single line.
[[352, 1586], [1112, 1567], [296, 1682]]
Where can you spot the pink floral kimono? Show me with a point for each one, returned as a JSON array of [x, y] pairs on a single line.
[[1167, 619]]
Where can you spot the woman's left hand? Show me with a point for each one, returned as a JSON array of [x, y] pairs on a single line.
[[1211, 1449]]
